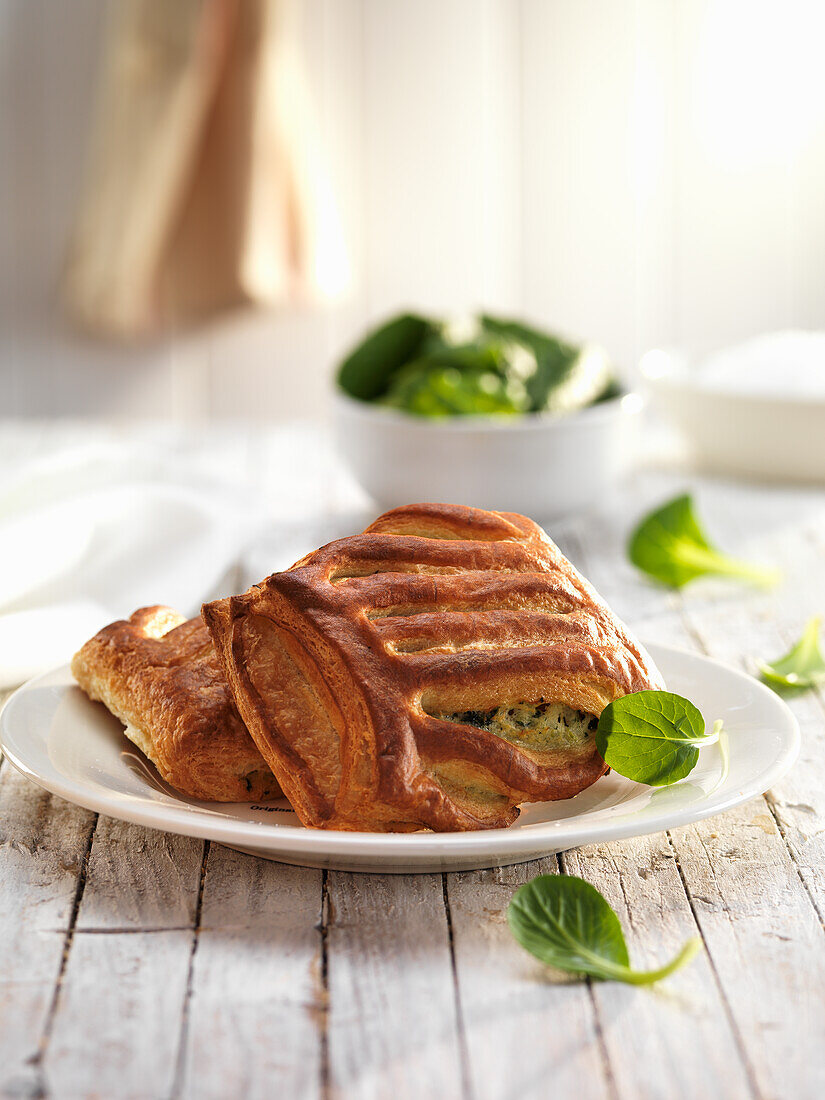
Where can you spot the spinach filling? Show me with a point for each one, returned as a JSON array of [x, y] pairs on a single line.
[[539, 727]]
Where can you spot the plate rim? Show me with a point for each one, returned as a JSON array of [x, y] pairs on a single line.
[[187, 820]]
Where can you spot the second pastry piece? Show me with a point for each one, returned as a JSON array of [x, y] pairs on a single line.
[[435, 672], [159, 675]]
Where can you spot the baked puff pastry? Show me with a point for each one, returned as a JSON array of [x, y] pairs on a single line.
[[159, 675], [436, 671]]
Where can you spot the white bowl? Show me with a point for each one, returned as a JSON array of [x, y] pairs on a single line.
[[540, 465], [751, 435]]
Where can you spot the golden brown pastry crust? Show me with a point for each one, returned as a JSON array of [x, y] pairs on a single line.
[[339, 665], [159, 675]]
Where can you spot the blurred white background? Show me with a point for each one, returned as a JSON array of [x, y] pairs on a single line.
[[638, 172]]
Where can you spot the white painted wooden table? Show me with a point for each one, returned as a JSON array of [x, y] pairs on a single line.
[[140, 964]]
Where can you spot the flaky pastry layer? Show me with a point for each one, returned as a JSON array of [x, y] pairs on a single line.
[[159, 675], [344, 667]]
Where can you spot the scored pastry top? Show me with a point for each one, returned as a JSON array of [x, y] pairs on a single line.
[[399, 679]]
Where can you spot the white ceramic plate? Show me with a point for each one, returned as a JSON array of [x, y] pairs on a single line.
[[74, 748]]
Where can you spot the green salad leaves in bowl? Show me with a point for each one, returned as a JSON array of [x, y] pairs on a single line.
[[483, 411], [478, 366]]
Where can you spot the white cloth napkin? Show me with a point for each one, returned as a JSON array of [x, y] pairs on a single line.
[[89, 534]]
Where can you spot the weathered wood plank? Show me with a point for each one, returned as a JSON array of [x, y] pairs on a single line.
[[764, 940], [393, 1029], [652, 1035], [139, 880], [763, 934], [258, 1003], [738, 635], [526, 1032], [798, 801], [118, 1015], [43, 842], [763, 626], [118, 1020], [759, 917]]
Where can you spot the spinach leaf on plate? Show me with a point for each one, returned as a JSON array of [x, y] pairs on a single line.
[[802, 667], [566, 923], [652, 737], [670, 545]]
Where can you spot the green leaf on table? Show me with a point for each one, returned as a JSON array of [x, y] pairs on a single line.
[[367, 370], [802, 667], [652, 737], [670, 545], [566, 923]]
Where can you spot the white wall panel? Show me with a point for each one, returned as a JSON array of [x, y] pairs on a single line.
[[278, 366], [639, 172], [441, 153], [733, 248], [578, 205]]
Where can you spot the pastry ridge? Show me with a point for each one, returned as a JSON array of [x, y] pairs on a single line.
[[158, 673], [347, 669]]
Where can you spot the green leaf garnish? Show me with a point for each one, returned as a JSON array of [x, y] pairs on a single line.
[[802, 667], [670, 545], [566, 923], [652, 737]]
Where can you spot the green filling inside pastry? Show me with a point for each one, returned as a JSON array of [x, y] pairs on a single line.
[[455, 782], [539, 727]]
